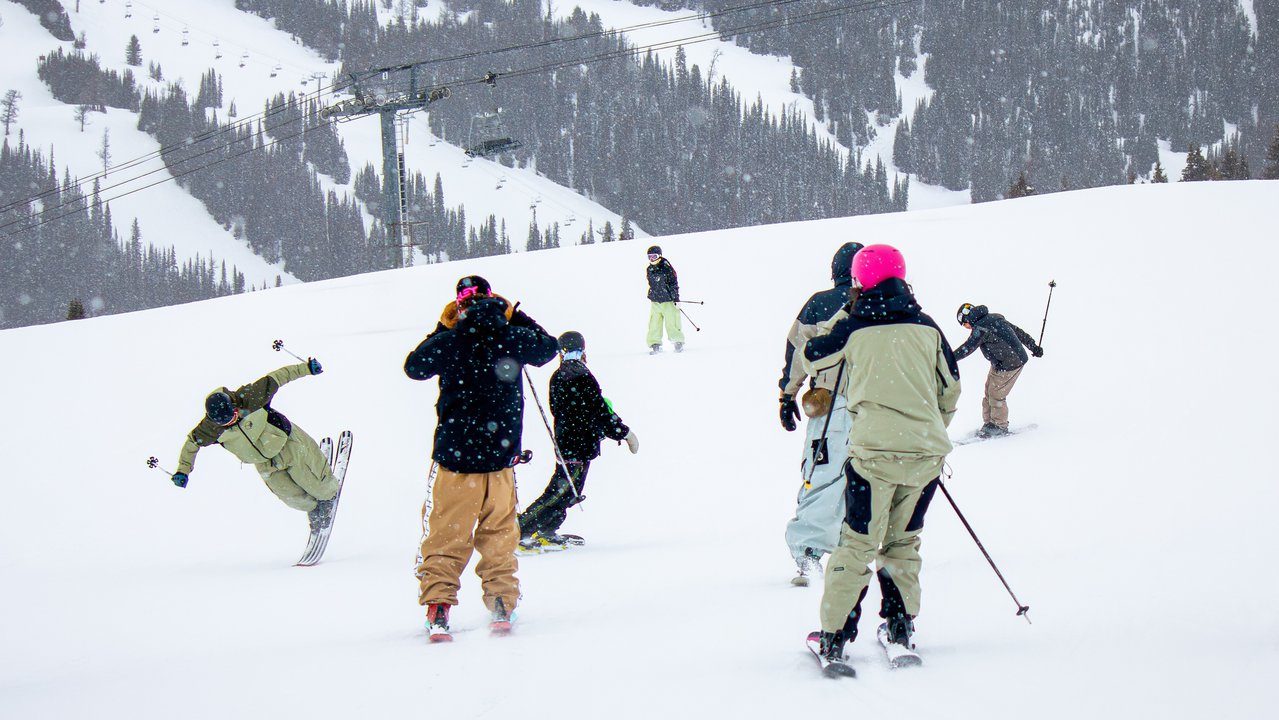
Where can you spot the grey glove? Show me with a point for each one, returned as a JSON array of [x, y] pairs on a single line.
[[632, 442]]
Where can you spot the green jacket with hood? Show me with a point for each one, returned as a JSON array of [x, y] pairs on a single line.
[[258, 433]]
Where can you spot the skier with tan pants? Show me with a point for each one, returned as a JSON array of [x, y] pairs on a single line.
[[287, 458], [479, 362]]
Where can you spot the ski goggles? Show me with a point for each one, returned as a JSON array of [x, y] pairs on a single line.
[[654, 257], [467, 293]]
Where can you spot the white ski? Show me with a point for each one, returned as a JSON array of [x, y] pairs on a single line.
[[899, 656], [318, 542]]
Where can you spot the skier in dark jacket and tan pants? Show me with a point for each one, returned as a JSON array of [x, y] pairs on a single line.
[[1001, 342], [479, 363]]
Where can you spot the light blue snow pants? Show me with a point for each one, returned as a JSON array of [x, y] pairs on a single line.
[[819, 510]]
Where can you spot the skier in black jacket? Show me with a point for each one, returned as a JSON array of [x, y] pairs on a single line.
[[663, 291], [582, 419], [1001, 342]]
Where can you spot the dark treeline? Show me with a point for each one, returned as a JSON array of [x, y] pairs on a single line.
[[1075, 93], [45, 267], [52, 16], [78, 79], [667, 145]]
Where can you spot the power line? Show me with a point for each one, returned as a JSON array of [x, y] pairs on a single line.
[[855, 8]]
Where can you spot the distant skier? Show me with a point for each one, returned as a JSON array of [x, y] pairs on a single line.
[[1001, 342], [289, 461], [902, 388], [480, 411], [819, 511], [582, 419], [663, 291]]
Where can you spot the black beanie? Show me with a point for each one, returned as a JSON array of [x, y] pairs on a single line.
[[655, 250]]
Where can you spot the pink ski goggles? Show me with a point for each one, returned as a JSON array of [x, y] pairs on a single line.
[[467, 293]]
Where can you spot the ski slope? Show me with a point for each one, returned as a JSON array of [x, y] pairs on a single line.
[[1135, 521]]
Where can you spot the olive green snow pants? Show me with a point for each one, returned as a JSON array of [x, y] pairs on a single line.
[[882, 524], [667, 314], [471, 512], [300, 475]]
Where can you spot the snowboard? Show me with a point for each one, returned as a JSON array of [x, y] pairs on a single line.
[[318, 542], [568, 541], [830, 668], [973, 437], [899, 656]]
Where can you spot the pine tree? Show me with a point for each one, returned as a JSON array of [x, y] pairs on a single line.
[[1271, 171], [1021, 188], [1196, 169], [133, 52], [1158, 176], [9, 109], [75, 310]]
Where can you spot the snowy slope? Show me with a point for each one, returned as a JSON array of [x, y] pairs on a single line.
[[1135, 521]]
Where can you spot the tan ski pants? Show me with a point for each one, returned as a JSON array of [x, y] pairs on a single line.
[[471, 512], [994, 406]]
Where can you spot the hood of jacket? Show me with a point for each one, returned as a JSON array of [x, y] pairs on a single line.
[[485, 317], [889, 300], [977, 314], [841, 266]]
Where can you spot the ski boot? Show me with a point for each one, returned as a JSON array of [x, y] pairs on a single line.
[[895, 635], [437, 622], [501, 624], [679, 347], [810, 566], [654, 349], [829, 649]]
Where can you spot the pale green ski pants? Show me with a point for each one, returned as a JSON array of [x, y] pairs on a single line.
[[667, 314]]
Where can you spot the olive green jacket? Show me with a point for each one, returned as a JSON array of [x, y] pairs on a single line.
[[258, 434]]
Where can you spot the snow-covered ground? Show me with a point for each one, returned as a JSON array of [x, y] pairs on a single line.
[[1135, 521]]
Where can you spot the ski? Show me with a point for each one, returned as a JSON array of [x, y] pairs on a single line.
[[830, 668], [973, 437], [899, 656], [318, 542], [555, 543]]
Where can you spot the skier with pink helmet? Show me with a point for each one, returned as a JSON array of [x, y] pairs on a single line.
[[901, 387]]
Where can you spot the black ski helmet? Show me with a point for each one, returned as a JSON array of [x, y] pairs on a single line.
[[219, 408], [841, 266], [961, 315], [655, 250], [481, 285], [572, 341]]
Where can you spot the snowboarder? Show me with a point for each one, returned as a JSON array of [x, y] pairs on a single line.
[[902, 388], [289, 461], [663, 291], [480, 412], [582, 419], [814, 530], [1001, 342]]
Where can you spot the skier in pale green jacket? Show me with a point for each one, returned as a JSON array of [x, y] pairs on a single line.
[[288, 459]]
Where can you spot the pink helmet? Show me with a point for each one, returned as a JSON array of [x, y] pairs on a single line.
[[874, 264]]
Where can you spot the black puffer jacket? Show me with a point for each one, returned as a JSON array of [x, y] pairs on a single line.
[[582, 418], [481, 407], [663, 283], [1000, 341]]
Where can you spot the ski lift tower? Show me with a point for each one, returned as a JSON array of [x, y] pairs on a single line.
[[387, 92]]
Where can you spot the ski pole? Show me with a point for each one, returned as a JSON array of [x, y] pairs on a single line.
[[1051, 284], [153, 462], [1021, 609], [808, 481], [554, 445], [278, 345], [690, 320], [689, 302]]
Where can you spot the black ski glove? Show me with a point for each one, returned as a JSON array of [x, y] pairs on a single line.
[[1037, 352], [790, 412]]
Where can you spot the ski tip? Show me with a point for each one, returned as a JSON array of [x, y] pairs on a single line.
[[500, 628], [799, 581], [440, 638], [839, 670]]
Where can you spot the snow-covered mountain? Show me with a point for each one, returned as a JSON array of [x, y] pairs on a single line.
[[1135, 521]]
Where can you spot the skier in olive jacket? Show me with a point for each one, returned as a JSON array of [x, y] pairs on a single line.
[[582, 419], [478, 436], [902, 388], [1001, 342], [289, 461], [663, 291]]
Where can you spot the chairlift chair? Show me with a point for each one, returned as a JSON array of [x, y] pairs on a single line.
[[217, 50], [487, 136], [155, 23], [244, 58], [128, 9], [275, 71], [186, 37]]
